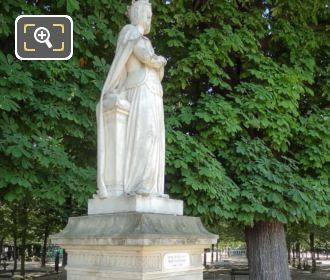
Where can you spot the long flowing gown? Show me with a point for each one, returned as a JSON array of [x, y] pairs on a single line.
[[144, 171], [145, 133]]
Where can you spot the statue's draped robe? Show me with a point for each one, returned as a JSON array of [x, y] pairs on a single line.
[[145, 135]]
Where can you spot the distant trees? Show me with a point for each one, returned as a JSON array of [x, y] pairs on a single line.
[[307, 242]]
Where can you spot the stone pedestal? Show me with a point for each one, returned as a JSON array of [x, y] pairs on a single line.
[[133, 246], [137, 203], [115, 112]]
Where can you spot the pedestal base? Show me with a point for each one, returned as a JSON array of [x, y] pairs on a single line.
[[136, 203], [133, 246]]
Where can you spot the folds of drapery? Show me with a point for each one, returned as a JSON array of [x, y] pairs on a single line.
[[114, 81], [145, 158]]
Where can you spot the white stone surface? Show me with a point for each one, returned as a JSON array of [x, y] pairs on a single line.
[[115, 117], [136, 264], [133, 229], [136, 203], [133, 246], [134, 260], [131, 148]]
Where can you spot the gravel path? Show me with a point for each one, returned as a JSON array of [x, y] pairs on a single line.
[[213, 274]]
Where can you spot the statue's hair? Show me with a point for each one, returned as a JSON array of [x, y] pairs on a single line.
[[135, 10]]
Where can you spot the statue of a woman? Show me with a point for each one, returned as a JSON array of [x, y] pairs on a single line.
[[136, 150]]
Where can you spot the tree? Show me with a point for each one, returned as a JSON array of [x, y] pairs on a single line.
[[310, 238], [47, 112], [4, 231], [248, 135]]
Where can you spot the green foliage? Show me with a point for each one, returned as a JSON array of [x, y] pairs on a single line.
[[47, 142], [247, 94], [246, 101], [47, 115]]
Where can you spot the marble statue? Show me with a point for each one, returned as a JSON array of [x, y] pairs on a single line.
[[130, 116], [133, 230]]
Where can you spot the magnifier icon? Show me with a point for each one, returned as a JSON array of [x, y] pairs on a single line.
[[41, 35]]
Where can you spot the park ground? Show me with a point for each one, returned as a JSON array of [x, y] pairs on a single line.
[[221, 272]]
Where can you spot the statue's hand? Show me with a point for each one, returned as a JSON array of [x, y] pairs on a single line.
[[111, 101], [162, 60], [161, 73]]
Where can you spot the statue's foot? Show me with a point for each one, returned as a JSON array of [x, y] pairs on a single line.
[[130, 193], [101, 195], [163, 195], [142, 192], [138, 192], [133, 193], [145, 193]]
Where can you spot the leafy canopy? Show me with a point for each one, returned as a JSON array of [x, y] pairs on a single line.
[[247, 94], [246, 103]]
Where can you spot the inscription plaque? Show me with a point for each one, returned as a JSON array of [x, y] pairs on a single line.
[[176, 260]]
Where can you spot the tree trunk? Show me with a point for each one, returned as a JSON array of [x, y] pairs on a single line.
[[15, 234], [15, 252], [212, 254], [65, 259], [298, 255], [57, 261], [267, 251], [293, 256], [312, 244], [289, 253], [24, 223], [1, 248], [44, 248], [22, 252]]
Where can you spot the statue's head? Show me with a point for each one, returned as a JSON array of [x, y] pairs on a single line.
[[140, 13]]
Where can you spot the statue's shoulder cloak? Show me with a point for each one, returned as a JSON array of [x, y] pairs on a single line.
[[117, 75], [126, 41]]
